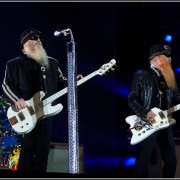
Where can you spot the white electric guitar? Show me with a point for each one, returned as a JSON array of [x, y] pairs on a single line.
[[141, 130], [25, 120]]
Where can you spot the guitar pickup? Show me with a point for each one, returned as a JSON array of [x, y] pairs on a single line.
[[21, 116], [161, 114], [13, 120], [31, 110]]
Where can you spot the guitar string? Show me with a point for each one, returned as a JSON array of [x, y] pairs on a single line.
[[39, 106]]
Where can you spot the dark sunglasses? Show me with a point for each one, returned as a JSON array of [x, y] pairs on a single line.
[[35, 38], [167, 55]]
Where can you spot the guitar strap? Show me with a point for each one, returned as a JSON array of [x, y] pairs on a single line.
[[160, 93], [43, 69]]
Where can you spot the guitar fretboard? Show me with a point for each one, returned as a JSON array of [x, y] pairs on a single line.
[[173, 109], [64, 91]]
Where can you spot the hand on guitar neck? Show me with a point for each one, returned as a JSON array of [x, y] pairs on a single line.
[[79, 76]]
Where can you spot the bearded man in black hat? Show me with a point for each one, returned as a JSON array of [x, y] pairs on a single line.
[[31, 72], [155, 86]]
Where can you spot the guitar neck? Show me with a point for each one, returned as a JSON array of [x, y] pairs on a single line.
[[173, 109], [64, 91]]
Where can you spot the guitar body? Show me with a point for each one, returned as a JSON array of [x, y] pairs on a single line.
[[25, 120], [140, 133]]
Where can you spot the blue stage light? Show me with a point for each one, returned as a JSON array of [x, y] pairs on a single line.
[[111, 161], [168, 38], [177, 70], [129, 162], [123, 91]]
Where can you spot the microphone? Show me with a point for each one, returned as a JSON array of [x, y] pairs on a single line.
[[65, 32]]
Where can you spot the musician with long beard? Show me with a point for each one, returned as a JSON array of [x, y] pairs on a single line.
[[31, 72], [155, 86]]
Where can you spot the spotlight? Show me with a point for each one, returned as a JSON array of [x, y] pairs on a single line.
[[177, 71], [130, 161], [168, 38]]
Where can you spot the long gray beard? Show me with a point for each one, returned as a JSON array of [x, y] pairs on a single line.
[[40, 56]]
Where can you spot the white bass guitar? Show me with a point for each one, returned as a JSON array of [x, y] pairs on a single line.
[[25, 120], [141, 130]]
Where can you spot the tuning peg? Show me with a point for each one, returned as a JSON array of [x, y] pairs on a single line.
[[112, 69]]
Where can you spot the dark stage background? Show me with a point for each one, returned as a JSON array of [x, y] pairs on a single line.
[[103, 31]]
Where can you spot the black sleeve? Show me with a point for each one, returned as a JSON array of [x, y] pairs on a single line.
[[62, 80], [10, 83], [134, 98]]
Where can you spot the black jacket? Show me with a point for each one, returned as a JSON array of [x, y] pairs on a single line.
[[141, 97], [24, 77]]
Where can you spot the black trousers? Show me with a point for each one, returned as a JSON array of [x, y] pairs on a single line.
[[165, 140], [35, 147]]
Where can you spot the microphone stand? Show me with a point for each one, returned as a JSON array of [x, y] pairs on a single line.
[[72, 105]]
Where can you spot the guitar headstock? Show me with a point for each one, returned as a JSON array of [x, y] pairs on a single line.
[[108, 66]]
